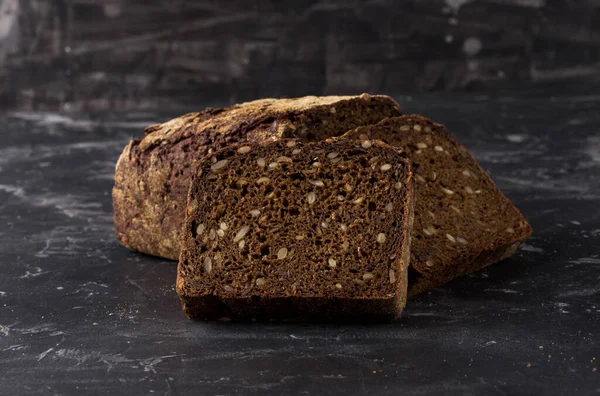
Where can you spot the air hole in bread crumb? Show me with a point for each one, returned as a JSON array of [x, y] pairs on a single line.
[[265, 250], [296, 176], [294, 212]]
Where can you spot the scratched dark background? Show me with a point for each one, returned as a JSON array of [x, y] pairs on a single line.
[[127, 54], [516, 81]]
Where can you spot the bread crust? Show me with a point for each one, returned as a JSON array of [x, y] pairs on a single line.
[[463, 221], [152, 174]]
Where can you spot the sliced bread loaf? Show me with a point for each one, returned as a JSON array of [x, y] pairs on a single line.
[[287, 229], [463, 222], [153, 173]]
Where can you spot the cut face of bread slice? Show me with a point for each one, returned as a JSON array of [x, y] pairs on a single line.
[[463, 222], [285, 229], [153, 174]]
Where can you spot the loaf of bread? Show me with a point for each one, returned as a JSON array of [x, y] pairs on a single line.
[[463, 222], [153, 173], [285, 230]]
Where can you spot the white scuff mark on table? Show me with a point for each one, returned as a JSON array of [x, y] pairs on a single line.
[[506, 156], [149, 363], [42, 253], [505, 291], [52, 119], [66, 240], [43, 328], [17, 347], [104, 176], [516, 138], [44, 354], [37, 272], [74, 354], [528, 248], [3, 293], [586, 260], [14, 190], [551, 184], [90, 283], [45, 152], [518, 309], [430, 314], [70, 205], [585, 292], [111, 360]]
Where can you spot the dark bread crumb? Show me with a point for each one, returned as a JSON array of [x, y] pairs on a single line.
[[153, 173], [289, 229], [463, 222]]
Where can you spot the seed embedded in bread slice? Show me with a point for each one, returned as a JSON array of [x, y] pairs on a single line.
[[152, 175], [463, 222], [283, 230]]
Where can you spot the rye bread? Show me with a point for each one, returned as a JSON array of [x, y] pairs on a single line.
[[463, 222], [153, 173], [285, 229]]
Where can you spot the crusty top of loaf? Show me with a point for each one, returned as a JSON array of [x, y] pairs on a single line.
[[153, 173], [243, 115]]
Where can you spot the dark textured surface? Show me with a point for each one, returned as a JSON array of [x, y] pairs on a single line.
[[71, 54], [80, 313]]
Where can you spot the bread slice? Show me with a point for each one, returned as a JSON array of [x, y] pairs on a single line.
[[152, 174], [285, 230], [463, 222]]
